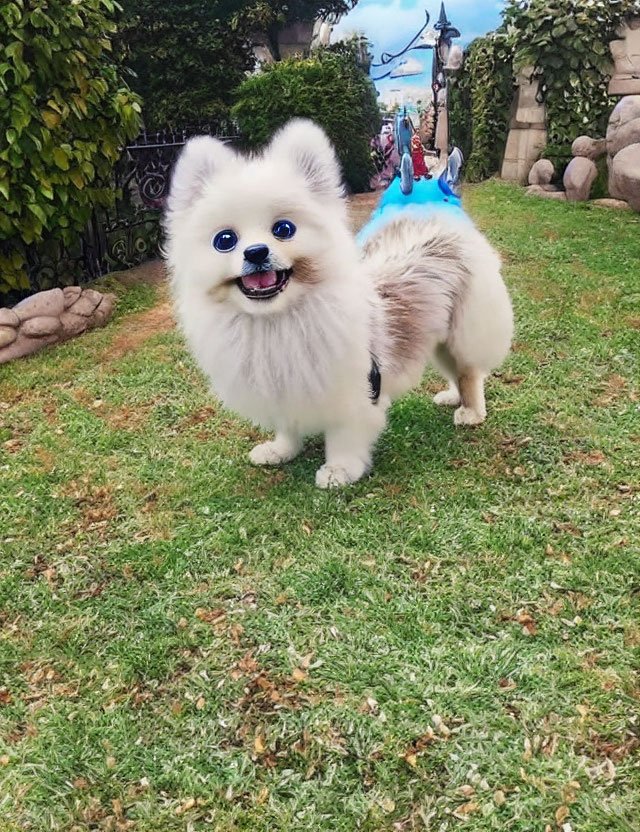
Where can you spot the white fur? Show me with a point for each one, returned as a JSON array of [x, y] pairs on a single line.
[[298, 363]]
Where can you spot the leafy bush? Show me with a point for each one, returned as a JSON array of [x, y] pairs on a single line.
[[188, 57], [66, 114], [329, 88]]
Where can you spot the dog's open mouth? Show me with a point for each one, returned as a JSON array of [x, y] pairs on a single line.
[[262, 285]]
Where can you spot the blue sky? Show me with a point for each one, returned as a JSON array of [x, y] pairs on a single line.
[[390, 24]]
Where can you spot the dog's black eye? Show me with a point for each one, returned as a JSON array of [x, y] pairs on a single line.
[[225, 240], [283, 229]]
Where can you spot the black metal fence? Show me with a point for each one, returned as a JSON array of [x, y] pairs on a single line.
[[130, 233]]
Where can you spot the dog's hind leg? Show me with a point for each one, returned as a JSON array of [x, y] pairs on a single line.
[[284, 447], [472, 410], [445, 362]]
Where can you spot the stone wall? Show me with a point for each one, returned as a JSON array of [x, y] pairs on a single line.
[[527, 135], [527, 129], [626, 57]]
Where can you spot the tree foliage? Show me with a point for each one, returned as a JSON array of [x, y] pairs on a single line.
[[268, 17], [65, 114], [328, 87], [186, 57]]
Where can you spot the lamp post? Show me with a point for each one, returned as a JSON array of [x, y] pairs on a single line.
[[439, 39]]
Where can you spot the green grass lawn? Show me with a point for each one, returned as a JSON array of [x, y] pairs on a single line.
[[191, 643]]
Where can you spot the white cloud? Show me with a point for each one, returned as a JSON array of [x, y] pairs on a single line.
[[410, 66]]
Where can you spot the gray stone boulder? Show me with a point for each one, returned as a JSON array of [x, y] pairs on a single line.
[[87, 303], [71, 295], [547, 191], [73, 324], [588, 147], [616, 204], [7, 335], [8, 317], [42, 303], [625, 134], [42, 325], [625, 111], [625, 175], [49, 317], [578, 178], [541, 172], [24, 345]]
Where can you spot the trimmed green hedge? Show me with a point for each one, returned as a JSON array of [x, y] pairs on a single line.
[[66, 113], [329, 88]]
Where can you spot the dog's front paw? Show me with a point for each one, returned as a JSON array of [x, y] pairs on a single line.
[[447, 398], [268, 453], [333, 476], [468, 416]]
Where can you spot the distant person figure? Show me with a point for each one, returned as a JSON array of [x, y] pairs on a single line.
[[391, 160], [417, 157]]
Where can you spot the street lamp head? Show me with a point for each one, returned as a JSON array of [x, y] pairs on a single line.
[[428, 39], [447, 31], [443, 21]]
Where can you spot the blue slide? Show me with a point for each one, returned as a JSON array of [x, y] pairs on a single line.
[[427, 196]]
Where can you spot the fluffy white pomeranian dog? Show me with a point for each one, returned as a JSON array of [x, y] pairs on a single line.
[[302, 331]]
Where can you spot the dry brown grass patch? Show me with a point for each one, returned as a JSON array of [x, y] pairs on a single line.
[[615, 388], [137, 329]]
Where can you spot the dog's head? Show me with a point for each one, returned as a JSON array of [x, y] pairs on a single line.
[[256, 232]]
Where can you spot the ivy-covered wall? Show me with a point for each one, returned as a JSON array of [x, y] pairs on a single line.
[[567, 44], [480, 103]]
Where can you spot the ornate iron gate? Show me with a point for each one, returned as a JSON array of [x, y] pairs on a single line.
[[131, 232]]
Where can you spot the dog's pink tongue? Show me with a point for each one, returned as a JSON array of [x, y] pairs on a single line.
[[259, 280]]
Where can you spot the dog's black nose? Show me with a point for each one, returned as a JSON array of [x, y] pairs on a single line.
[[256, 254]]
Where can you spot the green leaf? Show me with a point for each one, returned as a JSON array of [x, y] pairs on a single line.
[[50, 118], [20, 119], [60, 158], [37, 211], [76, 177]]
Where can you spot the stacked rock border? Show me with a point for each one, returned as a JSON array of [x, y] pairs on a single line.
[[51, 317], [622, 149]]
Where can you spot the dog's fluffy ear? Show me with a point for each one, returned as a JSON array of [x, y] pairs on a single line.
[[306, 146], [199, 159]]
